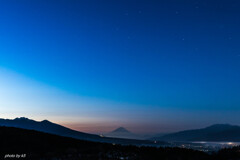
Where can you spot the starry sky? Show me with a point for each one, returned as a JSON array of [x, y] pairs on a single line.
[[148, 65]]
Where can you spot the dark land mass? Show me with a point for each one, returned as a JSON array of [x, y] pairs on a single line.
[[52, 128], [214, 133], [39, 145]]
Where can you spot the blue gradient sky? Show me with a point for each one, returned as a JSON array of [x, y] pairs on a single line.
[[151, 66]]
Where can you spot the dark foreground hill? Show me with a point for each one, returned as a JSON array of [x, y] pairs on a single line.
[[36, 145], [214, 133], [52, 128]]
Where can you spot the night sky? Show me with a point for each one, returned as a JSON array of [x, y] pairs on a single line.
[[94, 65]]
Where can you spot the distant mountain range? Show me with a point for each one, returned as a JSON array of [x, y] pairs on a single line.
[[214, 133], [35, 145], [30, 144], [52, 128], [47, 127], [122, 133]]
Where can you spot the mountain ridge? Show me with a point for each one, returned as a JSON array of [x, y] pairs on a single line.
[[216, 132], [53, 128]]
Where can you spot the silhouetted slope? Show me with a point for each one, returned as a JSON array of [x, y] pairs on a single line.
[[49, 127], [38, 145], [218, 132]]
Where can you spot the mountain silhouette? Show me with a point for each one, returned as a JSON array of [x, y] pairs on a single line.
[[47, 127], [214, 133], [35, 145], [52, 128], [122, 132]]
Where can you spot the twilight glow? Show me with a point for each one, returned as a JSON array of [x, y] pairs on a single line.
[[152, 67]]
